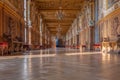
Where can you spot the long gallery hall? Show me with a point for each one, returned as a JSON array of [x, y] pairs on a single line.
[[59, 39]]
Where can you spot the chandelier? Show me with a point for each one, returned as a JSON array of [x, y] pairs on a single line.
[[59, 29], [60, 14]]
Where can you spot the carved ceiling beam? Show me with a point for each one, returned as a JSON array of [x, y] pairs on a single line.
[[55, 9], [54, 18], [58, 21], [62, 32], [52, 26], [55, 29], [48, 8]]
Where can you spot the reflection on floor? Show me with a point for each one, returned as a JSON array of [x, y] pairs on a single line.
[[60, 64]]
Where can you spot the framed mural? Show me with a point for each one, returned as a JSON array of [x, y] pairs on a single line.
[[110, 3], [115, 26]]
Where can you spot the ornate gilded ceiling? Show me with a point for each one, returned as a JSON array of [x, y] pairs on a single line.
[[49, 8]]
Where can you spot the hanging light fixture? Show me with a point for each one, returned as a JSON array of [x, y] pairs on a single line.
[[59, 29], [60, 14]]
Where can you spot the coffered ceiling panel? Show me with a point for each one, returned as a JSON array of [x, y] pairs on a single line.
[[68, 10], [54, 4]]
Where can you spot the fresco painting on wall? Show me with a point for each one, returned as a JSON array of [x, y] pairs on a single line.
[[111, 2], [116, 26]]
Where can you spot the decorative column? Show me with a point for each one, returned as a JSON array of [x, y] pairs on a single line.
[[91, 25], [43, 35], [1, 15], [78, 34], [29, 22], [91, 37]]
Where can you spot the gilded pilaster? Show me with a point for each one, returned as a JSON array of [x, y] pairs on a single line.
[[1, 17]]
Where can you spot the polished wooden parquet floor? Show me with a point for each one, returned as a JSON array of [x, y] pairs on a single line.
[[60, 64]]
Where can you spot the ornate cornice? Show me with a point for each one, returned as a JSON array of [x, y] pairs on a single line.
[[112, 14], [7, 7]]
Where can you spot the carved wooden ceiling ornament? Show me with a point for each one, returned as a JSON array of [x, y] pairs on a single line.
[[70, 9]]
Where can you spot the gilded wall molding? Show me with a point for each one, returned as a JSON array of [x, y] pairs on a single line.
[[112, 14], [12, 11]]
